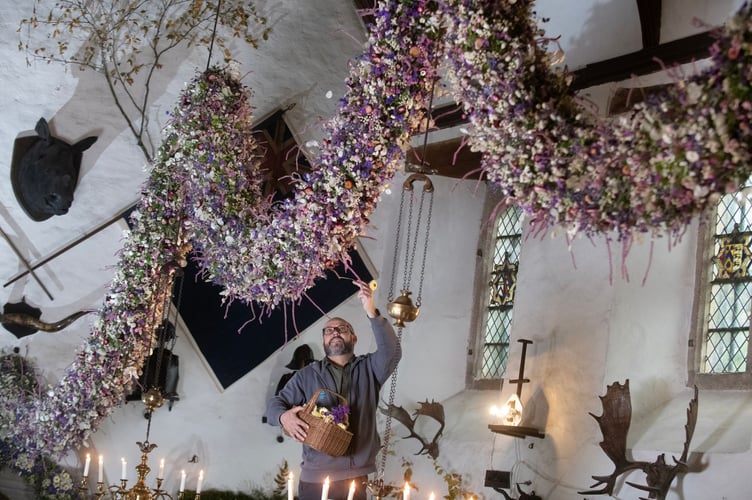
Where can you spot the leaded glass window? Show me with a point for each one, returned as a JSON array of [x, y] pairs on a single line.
[[726, 342], [502, 283]]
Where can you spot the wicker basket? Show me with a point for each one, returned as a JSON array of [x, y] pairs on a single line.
[[326, 437]]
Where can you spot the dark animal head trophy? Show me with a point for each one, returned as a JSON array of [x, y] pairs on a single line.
[[45, 175], [614, 424]]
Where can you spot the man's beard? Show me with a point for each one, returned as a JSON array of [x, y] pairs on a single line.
[[342, 347]]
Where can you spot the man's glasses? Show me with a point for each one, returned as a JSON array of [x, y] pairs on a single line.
[[330, 330]]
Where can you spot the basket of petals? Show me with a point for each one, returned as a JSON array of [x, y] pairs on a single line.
[[327, 427]]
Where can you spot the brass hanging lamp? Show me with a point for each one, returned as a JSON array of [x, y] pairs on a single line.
[[402, 308]]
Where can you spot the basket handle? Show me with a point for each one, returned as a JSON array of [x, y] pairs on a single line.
[[312, 402]]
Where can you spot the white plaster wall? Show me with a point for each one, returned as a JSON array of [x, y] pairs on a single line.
[[589, 331]]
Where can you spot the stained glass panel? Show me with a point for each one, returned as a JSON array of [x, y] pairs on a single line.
[[500, 298], [730, 299]]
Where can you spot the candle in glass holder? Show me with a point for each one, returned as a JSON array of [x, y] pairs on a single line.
[[406, 491], [182, 482], [161, 469], [86, 465], [351, 493], [200, 480], [325, 489], [290, 490], [101, 469]]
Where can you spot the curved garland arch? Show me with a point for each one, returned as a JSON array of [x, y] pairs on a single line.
[[204, 191], [648, 174]]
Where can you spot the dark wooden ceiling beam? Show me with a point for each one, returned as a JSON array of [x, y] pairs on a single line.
[[643, 62], [364, 8], [448, 158], [650, 22]]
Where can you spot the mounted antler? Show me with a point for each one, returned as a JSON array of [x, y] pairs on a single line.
[[433, 410], [614, 424], [30, 321]]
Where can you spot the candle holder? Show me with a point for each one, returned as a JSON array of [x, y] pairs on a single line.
[[83, 487], [181, 496], [100, 490], [377, 489], [140, 491]]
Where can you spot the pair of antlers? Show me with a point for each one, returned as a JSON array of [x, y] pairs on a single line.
[[614, 424], [432, 410]]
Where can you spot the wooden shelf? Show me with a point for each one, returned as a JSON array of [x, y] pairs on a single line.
[[516, 431]]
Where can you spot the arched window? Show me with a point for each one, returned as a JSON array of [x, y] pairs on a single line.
[[719, 353], [496, 291]]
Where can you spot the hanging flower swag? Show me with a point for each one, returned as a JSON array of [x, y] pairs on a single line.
[[650, 172]]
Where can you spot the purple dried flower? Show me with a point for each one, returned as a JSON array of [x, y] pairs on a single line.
[[339, 414]]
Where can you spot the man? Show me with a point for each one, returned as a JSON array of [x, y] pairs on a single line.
[[359, 380]]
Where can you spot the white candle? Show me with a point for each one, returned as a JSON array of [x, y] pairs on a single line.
[[86, 465], [351, 493], [290, 490], [406, 491], [325, 489], [432, 497], [101, 469], [200, 480], [161, 469], [182, 481], [124, 472]]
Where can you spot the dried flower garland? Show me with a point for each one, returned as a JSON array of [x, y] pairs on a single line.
[[47, 478], [651, 171], [203, 187], [273, 253]]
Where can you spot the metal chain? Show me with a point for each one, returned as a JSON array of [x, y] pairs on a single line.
[[148, 425], [388, 423], [425, 251], [410, 252], [411, 255], [180, 273], [162, 327], [390, 297], [168, 291], [408, 234], [153, 326]]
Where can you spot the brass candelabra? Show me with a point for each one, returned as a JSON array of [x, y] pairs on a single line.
[[140, 491]]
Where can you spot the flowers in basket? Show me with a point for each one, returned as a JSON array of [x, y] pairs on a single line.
[[338, 415]]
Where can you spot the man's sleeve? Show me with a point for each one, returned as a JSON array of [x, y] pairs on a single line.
[[290, 395], [388, 350]]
